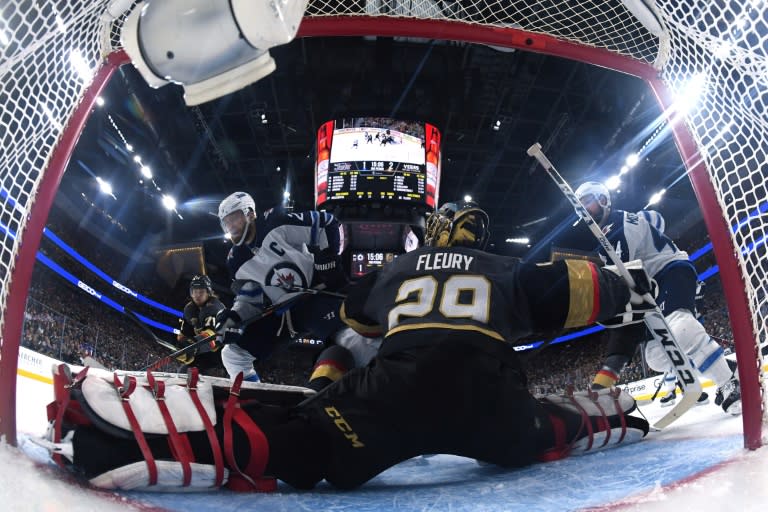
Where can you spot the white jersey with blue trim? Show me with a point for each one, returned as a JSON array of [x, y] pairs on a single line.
[[641, 236], [282, 258]]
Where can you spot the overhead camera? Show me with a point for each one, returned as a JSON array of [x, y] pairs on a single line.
[[210, 47]]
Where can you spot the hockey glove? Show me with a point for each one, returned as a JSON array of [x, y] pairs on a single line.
[[328, 269], [229, 327], [639, 304], [186, 359], [212, 345]]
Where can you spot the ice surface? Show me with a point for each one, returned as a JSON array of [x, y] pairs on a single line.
[[697, 464]]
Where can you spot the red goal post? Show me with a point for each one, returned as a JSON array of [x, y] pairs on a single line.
[[722, 140]]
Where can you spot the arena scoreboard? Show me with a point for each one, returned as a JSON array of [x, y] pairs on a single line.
[[377, 160]]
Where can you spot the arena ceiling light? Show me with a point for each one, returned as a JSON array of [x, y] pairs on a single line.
[[632, 160], [146, 172], [655, 198], [105, 187], [467, 198], [162, 38], [690, 93], [520, 240], [168, 202], [613, 182], [82, 68]]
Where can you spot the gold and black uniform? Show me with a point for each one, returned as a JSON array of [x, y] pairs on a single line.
[[445, 379], [197, 319]]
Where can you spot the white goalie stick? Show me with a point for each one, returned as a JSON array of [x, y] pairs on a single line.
[[687, 375]]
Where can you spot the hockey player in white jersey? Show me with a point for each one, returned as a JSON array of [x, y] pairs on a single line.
[[271, 255], [641, 236]]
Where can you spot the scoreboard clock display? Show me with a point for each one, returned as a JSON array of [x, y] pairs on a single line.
[[366, 261]]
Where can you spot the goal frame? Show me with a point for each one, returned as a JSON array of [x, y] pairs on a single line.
[[717, 226]]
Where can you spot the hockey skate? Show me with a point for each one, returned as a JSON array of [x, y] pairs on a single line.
[[728, 396], [601, 419], [668, 400]]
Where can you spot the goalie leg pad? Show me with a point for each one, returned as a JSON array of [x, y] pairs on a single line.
[[604, 421], [154, 434]]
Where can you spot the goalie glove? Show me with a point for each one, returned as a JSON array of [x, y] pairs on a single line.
[[229, 327], [639, 303]]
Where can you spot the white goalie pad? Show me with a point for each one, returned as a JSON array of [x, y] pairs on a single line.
[[134, 477], [603, 398], [101, 396], [614, 435], [600, 404]]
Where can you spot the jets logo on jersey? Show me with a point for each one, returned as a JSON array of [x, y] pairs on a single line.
[[607, 229], [286, 275]]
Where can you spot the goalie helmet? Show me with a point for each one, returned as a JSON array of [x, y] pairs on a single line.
[[238, 201], [458, 224], [201, 281], [592, 190]]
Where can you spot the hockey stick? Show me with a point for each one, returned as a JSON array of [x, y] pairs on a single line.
[[139, 322], [657, 324], [191, 350], [655, 393], [314, 291]]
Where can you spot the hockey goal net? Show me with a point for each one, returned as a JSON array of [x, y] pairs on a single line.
[[55, 56]]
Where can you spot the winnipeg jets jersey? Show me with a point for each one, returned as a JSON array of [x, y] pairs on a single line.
[[641, 236], [280, 257]]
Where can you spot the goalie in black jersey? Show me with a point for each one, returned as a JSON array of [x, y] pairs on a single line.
[[446, 380]]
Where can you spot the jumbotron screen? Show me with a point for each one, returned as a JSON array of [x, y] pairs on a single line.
[[377, 159]]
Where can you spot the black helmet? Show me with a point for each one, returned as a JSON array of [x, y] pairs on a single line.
[[458, 224], [201, 281]]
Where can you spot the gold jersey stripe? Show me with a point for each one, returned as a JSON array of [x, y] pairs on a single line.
[[364, 329], [326, 370], [437, 325], [584, 303]]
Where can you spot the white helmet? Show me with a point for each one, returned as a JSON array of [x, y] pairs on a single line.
[[239, 201], [595, 189]]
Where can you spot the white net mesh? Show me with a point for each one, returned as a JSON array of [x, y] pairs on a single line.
[[47, 57], [49, 50], [724, 45]]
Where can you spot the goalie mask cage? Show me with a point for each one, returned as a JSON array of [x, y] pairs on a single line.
[[56, 56]]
